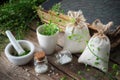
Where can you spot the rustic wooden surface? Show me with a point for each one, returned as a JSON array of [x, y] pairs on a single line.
[[9, 71]]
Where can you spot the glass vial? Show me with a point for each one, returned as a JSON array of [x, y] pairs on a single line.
[[40, 62]]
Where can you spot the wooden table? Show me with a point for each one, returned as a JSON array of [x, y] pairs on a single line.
[[72, 71]]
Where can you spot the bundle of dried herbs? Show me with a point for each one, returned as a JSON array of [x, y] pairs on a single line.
[[16, 15]]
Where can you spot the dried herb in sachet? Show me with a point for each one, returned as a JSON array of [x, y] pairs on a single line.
[[76, 33], [97, 51]]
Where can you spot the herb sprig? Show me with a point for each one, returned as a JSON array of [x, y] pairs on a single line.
[[57, 8], [49, 29], [63, 78]]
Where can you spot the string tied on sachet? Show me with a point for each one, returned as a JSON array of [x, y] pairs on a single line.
[[78, 16], [79, 19], [101, 28]]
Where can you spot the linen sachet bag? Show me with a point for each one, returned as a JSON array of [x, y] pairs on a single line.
[[97, 51], [76, 33]]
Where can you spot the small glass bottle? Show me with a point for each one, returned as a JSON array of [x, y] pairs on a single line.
[[40, 62], [64, 57]]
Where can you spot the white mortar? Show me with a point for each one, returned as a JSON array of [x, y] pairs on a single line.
[[20, 60]]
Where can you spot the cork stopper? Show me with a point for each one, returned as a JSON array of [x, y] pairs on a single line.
[[39, 55]]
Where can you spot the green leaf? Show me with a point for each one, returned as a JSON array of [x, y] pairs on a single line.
[[69, 37], [25, 53], [115, 67], [96, 63], [81, 51], [97, 58], [89, 59], [79, 72], [86, 65], [87, 41], [63, 78], [83, 78], [88, 69], [117, 73], [98, 49]]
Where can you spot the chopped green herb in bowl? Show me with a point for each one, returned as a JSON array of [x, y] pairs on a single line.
[[25, 53], [49, 29]]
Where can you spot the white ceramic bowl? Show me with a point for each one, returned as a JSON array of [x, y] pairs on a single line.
[[20, 60], [47, 43]]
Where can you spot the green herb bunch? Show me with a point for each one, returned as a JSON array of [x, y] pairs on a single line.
[[57, 8], [15, 15], [49, 29]]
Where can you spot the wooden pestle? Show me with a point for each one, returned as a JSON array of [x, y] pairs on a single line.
[[15, 44]]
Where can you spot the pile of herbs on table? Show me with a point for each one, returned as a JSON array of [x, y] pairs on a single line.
[[15, 15]]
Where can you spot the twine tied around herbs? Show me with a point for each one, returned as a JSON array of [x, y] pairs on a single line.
[[79, 19], [101, 28]]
